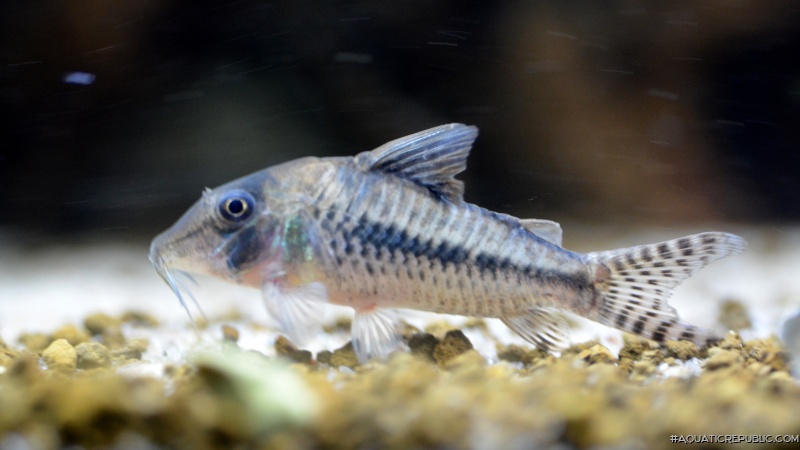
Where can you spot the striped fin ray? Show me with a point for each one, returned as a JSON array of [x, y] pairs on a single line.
[[430, 158], [636, 282], [298, 310], [375, 334], [546, 328]]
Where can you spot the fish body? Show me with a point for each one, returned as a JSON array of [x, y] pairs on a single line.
[[389, 229]]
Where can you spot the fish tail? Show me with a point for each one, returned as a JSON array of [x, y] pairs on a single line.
[[633, 284]]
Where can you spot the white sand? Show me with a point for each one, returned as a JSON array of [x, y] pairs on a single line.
[[43, 290]]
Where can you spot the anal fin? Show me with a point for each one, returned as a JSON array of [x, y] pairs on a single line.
[[298, 310], [375, 333], [546, 328]]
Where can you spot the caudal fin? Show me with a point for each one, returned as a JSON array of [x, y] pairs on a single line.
[[636, 282]]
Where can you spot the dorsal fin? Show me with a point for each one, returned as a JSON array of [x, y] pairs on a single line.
[[430, 158], [546, 229]]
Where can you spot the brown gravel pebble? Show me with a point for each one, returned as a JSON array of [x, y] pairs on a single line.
[[7, 354], [423, 344], [99, 323], [61, 356], [515, 353], [131, 351], [92, 355], [284, 347], [113, 338], [324, 357], [140, 318], [469, 361], [768, 352], [683, 350], [720, 358], [597, 354], [476, 323], [342, 323], [453, 344], [230, 333], [72, 334], [35, 342], [344, 356], [733, 315]]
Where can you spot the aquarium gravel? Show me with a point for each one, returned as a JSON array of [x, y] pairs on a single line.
[[93, 390], [109, 360]]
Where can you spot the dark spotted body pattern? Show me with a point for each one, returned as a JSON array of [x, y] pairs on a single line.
[[401, 246], [389, 229]]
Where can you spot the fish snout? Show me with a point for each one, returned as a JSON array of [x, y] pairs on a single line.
[[186, 249]]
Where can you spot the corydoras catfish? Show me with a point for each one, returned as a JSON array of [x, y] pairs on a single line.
[[389, 229]]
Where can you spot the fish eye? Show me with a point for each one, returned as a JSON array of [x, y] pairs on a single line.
[[236, 206]]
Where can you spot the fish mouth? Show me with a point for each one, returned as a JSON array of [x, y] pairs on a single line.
[[176, 279]]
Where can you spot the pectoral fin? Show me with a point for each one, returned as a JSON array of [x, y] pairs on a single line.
[[375, 334], [544, 327], [299, 310]]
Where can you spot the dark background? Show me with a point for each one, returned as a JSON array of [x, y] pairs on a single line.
[[601, 111]]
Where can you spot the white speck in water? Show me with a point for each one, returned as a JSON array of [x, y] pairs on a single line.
[[562, 35], [25, 63], [83, 78], [621, 72], [463, 35], [663, 94], [730, 122]]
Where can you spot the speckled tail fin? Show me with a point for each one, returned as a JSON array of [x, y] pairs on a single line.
[[636, 282]]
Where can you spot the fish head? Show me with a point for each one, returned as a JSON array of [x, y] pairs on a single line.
[[227, 233]]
